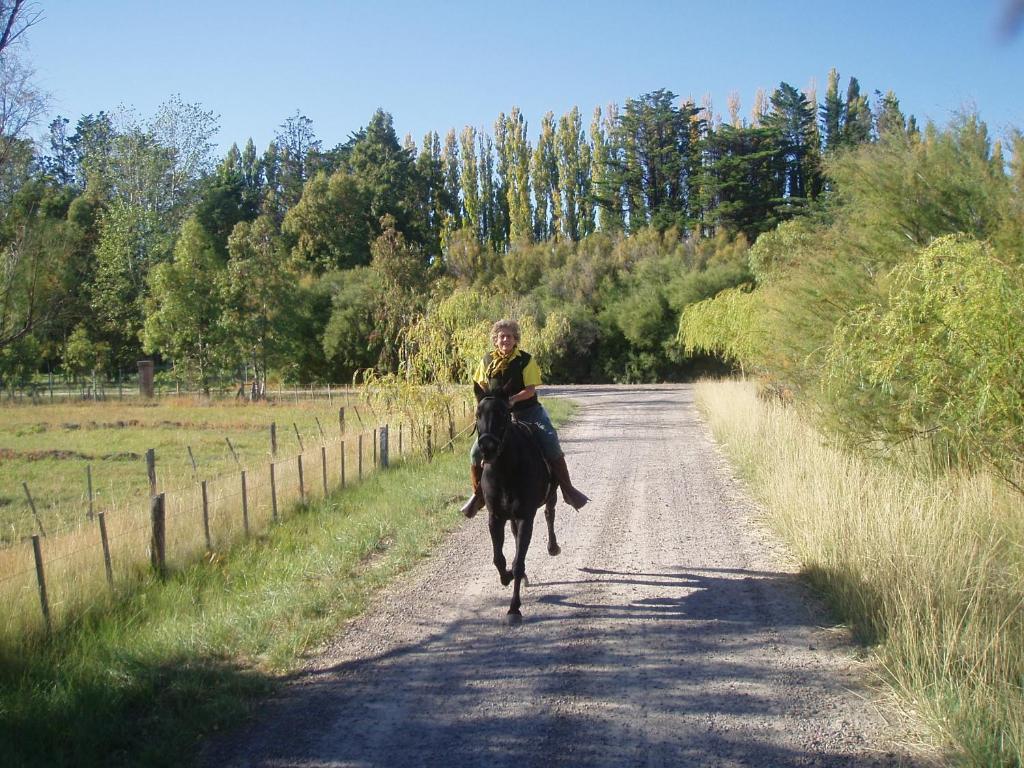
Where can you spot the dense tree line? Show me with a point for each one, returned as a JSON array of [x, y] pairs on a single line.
[[125, 238]]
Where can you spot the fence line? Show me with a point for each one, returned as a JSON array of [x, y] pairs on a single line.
[[176, 526]]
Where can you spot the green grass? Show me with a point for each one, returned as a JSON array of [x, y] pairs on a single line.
[[926, 564], [49, 447], [141, 679]]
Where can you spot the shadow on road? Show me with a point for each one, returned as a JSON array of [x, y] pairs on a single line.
[[676, 703]]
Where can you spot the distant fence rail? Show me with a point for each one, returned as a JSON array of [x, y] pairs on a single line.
[[45, 579]]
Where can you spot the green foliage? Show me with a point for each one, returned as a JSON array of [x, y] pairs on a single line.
[[260, 291], [83, 355], [331, 223], [186, 308], [941, 360], [350, 341]]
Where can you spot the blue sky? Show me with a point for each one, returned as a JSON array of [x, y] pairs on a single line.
[[440, 64]]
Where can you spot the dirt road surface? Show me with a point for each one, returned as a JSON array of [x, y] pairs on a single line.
[[671, 631]]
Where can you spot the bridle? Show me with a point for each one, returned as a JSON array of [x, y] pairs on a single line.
[[504, 435]]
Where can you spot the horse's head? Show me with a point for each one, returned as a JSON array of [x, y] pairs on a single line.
[[493, 417]]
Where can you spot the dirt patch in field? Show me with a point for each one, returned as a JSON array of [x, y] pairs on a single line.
[[9, 454]]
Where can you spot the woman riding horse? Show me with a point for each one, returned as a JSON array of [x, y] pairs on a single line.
[[511, 369]]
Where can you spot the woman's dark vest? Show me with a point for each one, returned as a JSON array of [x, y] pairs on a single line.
[[512, 379]]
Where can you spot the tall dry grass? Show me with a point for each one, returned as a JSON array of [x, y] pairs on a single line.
[[926, 564]]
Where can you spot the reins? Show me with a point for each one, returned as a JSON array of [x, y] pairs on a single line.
[[504, 435]]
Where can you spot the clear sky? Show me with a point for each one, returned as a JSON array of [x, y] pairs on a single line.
[[440, 64]]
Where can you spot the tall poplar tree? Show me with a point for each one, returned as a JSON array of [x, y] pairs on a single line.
[[544, 169], [469, 173], [573, 162], [452, 198], [517, 169]]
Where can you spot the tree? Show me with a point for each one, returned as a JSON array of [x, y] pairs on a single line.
[[21, 105], [469, 173], [890, 118], [451, 164], [131, 242], [260, 291], [792, 121], [544, 172], [331, 223], [832, 112], [401, 270], [296, 148], [857, 125], [657, 160], [186, 305], [606, 191], [386, 171], [432, 192], [16, 16], [516, 150], [573, 160]]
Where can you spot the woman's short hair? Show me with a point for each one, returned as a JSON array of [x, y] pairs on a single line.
[[505, 326]]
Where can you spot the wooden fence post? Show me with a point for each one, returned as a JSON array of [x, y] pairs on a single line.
[[206, 517], [234, 454], [341, 420], [399, 438], [192, 458], [88, 479], [323, 465], [273, 492], [302, 484], [158, 543], [384, 447], [273, 440], [151, 470], [430, 443], [32, 506], [106, 549], [245, 505], [41, 578]]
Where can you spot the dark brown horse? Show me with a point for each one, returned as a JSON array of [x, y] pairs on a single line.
[[515, 482]]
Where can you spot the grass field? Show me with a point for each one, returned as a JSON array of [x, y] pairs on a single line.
[[927, 565], [52, 448], [140, 677]]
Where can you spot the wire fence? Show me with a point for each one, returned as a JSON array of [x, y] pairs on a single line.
[[45, 581]]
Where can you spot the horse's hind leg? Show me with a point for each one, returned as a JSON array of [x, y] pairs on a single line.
[[497, 529], [549, 516], [525, 533]]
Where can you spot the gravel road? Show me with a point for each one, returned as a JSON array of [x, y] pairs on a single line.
[[671, 631]]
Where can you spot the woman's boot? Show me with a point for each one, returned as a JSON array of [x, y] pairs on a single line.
[[570, 495], [476, 501]]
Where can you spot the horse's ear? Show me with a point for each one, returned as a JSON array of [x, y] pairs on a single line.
[[508, 390], [479, 391]]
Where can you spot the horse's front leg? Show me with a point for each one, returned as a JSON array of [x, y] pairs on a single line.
[[497, 529], [549, 517], [519, 567]]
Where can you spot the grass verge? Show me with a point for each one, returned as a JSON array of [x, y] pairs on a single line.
[[927, 567], [140, 680]]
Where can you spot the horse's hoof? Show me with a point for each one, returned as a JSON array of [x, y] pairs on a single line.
[[506, 578], [554, 549], [513, 619]]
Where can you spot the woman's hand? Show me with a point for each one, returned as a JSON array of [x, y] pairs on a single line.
[[524, 394]]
